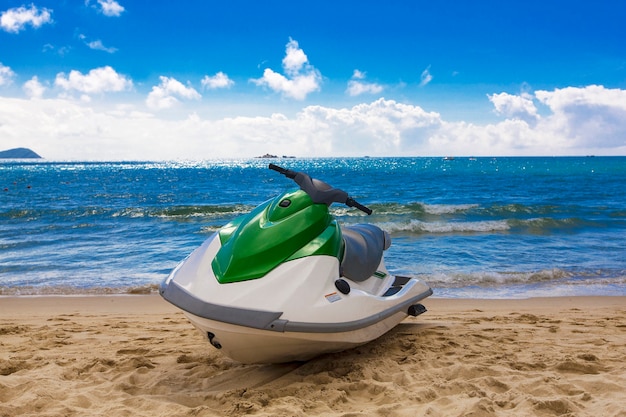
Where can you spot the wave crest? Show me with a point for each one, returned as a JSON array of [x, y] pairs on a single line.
[[503, 279], [420, 227]]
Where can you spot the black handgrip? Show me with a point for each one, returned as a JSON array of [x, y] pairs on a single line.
[[286, 172], [350, 202]]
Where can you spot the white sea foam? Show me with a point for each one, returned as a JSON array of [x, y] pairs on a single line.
[[439, 227], [440, 209]]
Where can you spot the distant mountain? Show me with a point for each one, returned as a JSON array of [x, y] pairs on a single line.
[[18, 153]]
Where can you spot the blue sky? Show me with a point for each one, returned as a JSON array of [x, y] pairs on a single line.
[[128, 79]]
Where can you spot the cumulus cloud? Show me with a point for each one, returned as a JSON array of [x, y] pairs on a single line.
[[578, 121], [299, 78], [294, 59], [356, 86], [515, 106], [167, 93], [592, 96], [14, 20], [6, 75], [593, 116], [98, 80], [33, 88], [426, 77], [383, 127], [575, 121], [109, 8], [219, 80]]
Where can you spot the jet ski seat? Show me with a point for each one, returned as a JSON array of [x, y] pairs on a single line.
[[364, 246]]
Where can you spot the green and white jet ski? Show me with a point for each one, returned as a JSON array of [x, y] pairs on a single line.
[[286, 282]]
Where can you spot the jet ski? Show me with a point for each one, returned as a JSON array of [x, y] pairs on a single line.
[[286, 282]]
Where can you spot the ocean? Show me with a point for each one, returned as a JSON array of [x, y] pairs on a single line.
[[505, 227]]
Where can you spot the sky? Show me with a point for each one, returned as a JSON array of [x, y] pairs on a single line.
[[202, 79]]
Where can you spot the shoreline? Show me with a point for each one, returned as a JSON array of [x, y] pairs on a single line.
[[128, 354], [137, 303]]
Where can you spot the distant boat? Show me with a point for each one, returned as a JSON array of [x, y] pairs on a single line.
[[448, 158]]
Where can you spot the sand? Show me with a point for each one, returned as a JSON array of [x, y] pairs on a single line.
[[139, 356]]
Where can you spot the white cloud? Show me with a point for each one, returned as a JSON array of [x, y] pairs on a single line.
[[164, 95], [33, 88], [383, 127], [300, 77], [576, 121], [6, 75], [295, 59], [98, 45], [579, 121], [357, 87], [592, 116], [98, 80], [219, 80], [16, 19], [298, 87], [61, 51], [592, 96], [110, 8], [521, 107], [358, 75], [426, 77]]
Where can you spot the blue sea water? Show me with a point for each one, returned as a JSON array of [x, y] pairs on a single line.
[[470, 227]]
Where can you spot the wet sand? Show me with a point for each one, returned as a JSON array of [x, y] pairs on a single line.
[[139, 356]]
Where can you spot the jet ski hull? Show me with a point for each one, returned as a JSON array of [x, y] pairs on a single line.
[[286, 321], [249, 345]]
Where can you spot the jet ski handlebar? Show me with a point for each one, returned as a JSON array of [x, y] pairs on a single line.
[[319, 191], [286, 172]]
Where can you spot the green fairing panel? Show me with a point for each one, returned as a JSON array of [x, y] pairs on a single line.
[[256, 243], [227, 231], [328, 243]]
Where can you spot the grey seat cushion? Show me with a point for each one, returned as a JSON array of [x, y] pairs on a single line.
[[364, 246]]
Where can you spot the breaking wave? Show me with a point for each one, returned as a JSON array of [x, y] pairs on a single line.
[[413, 218], [173, 212], [499, 279], [420, 227], [533, 226], [496, 210], [185, 212], [32, 290]]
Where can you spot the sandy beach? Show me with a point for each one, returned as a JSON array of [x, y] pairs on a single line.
[[139, 356]]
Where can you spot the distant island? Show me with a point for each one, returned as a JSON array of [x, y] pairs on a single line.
[[19, 153], [268, 155]]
